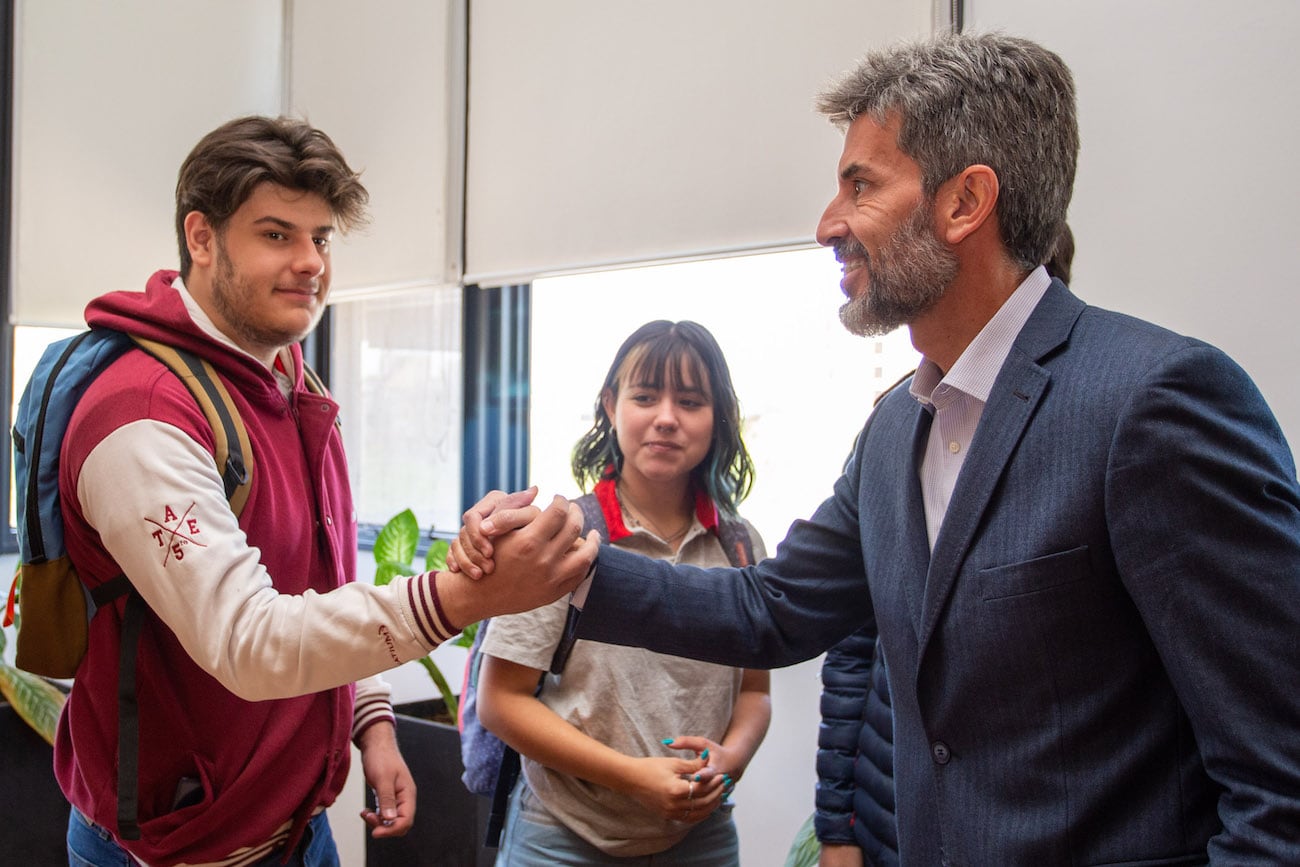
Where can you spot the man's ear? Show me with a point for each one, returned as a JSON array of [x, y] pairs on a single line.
[[965, 202], [200, 239]]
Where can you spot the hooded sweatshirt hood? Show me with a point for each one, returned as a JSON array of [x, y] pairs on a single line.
[[160, 313]]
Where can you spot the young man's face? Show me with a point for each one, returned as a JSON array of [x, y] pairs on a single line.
[[882, 230], [266, 275]]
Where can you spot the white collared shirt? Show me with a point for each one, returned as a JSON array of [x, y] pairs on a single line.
[[957, 399]]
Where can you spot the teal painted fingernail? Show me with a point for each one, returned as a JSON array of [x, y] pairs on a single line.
[[667, 741], [705, 754], [697, 778], [726, 779]]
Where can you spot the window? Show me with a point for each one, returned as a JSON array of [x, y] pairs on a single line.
[[396, 373], [804, 384]]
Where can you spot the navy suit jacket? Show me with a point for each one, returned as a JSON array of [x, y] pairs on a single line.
[[1099, 663]]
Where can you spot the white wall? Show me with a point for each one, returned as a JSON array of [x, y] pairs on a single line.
[[1184, 206], [110, 97], [604, 133], [108, 100]]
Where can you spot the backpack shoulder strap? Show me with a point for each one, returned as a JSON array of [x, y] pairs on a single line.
[[736, 542], [234, 452], [592, 519], [312, 380], [592, 516]]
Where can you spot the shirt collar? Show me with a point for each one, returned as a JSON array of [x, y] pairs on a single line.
[[606, 492], [979, 364]]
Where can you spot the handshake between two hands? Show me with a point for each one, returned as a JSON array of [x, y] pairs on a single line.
[[513, 556]]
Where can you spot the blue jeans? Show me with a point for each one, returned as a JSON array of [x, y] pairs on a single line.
[[89, 845], [533, 838]]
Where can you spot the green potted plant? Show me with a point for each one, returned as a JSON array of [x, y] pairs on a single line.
[[395, 549], [806, 848]]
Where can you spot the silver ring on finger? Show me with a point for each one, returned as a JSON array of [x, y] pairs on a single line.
[[690, 796]]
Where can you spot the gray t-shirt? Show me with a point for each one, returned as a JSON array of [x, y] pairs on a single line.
[[625, 697]]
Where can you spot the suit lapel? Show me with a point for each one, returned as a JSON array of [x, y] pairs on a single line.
[[1015, 397]]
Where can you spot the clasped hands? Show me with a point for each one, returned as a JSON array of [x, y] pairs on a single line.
[[512, 556], [707, 777], [473, 550], [681, 789]]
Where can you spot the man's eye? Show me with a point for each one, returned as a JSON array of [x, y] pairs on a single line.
[[322, 243], [859, 187], [275, 236]]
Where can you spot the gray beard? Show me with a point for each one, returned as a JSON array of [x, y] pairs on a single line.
[[907, 277]]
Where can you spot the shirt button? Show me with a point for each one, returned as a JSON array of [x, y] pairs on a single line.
[[954, 447], [940, 752], [329, 521]]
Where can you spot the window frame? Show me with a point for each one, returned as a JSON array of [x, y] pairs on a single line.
[[9, 540]]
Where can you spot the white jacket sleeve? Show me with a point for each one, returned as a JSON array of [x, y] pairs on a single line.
[[217, 596]]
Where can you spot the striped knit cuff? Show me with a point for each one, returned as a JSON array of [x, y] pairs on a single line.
[[422, 596], [369, 712]]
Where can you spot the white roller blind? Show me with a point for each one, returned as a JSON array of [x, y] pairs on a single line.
[[108, 100], [385, 80], [603, 132], [1184, 207]]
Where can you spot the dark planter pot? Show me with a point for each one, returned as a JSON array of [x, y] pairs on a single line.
[[35, 811], [449, 820]]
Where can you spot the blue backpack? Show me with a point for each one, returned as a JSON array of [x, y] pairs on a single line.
[[55, 605], [491, 767]]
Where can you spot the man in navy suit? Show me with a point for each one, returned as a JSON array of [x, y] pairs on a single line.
[[1077, 534]]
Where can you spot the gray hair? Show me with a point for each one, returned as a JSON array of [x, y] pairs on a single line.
[[968, 99]]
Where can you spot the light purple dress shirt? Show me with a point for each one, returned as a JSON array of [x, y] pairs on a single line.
[[956, 400]]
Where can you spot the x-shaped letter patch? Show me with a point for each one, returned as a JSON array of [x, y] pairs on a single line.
[[170, 536]]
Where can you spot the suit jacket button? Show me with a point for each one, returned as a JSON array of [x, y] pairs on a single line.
[[940, 751]]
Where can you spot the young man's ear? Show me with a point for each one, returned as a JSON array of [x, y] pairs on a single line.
[[200, 239], [965, 202]]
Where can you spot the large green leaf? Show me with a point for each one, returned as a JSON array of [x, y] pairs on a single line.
[[397, 541], [466, 637], [436, 559], [386, 572], [806, 849], [34, 699]]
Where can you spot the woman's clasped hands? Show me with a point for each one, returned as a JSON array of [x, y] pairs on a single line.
[[684, 789]]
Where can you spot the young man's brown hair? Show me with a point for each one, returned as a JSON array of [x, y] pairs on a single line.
[[228, 163]]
